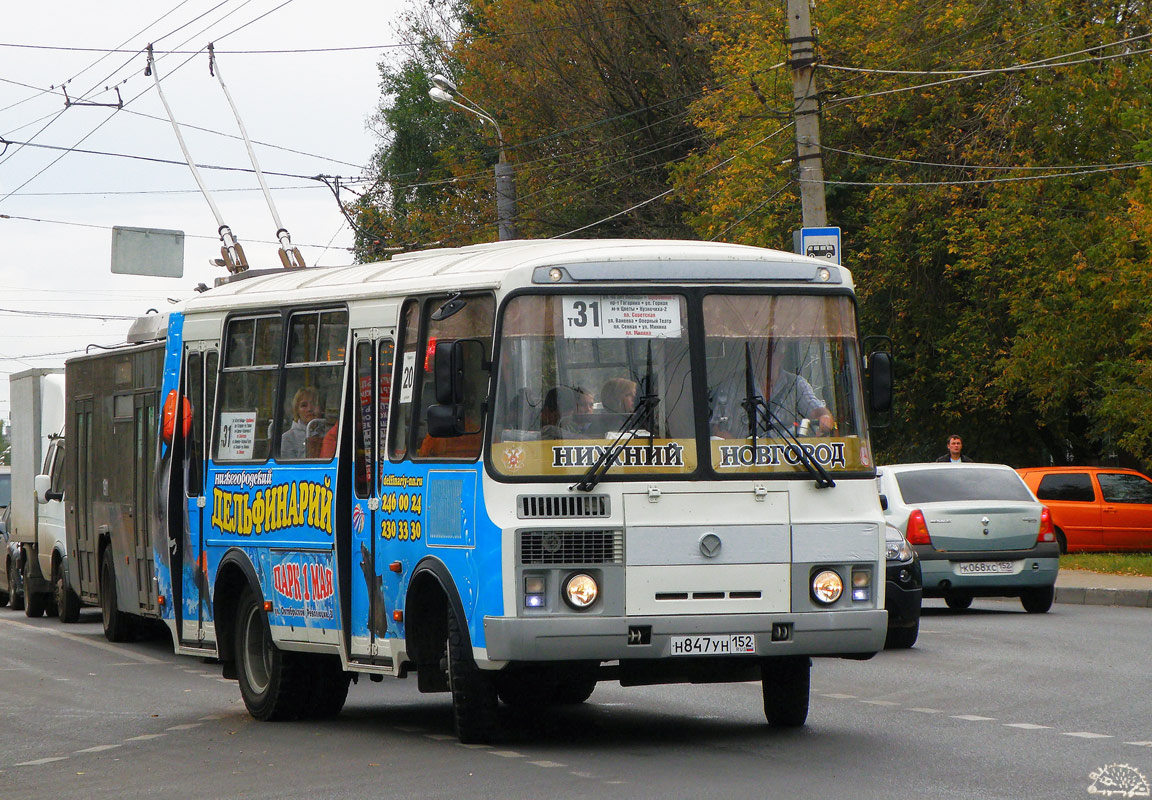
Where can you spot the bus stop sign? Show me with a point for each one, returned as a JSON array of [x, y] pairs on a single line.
[[818, 243]]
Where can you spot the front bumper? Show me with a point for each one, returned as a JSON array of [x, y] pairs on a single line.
[[1035, 568], [838, 633]]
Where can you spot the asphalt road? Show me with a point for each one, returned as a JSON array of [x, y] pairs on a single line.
[[991, 703]]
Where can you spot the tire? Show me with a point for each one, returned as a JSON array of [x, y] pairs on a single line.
[[1038, 601], [1062, 540], [273, 682], [574, 692], [958, 601], [67, 603], [902, 638], [543, 687], [15, 598], [327, 687], [35, 603], [787, 683], [474, 703], [117, 626]]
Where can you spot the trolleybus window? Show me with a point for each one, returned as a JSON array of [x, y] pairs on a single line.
[[581, 373], [409, 344], [248, 388]]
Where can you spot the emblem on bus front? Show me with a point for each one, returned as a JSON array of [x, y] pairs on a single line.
[[710, 545]]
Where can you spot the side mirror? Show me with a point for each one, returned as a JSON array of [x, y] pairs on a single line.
[[447, 416], [883, 503], [448, 372], [880, 381], [43, 487]]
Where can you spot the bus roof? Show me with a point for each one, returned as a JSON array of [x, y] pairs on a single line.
[[520, 262]]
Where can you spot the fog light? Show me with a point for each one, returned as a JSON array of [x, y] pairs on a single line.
[[827, 586], [580, 590], [861, 584], [533, 585], [533, 601], [860, 595], [904, 576]]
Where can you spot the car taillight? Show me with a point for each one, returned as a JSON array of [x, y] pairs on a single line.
[[918, 529], [1047, 530]]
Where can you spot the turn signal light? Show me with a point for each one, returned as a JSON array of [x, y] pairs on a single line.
[[918, 529], [1047, 529]]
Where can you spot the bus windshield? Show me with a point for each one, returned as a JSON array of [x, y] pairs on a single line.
[[581, 374]]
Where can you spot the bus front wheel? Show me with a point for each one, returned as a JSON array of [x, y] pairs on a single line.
[[786, 685], [474, 702]]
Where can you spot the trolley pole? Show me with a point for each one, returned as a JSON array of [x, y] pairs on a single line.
[[806, 112]]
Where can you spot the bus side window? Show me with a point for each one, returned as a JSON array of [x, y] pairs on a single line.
[[312, 384], [472, 318], [402, 412], [248, 388]]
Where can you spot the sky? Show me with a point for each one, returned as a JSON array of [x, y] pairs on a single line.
[[55, 245]]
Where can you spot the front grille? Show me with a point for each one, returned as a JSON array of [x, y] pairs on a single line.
[[561, 506], [571, 547]]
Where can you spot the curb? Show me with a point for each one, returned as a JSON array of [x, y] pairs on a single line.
[[1139, 598]]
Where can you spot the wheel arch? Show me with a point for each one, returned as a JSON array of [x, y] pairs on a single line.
[[232, 576], [431, 591]]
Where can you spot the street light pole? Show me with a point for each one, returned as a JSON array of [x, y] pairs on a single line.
[[444, 91]]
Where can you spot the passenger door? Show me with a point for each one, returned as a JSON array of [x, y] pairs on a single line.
[[195, 607], [1127, 510], [372, 582], [1075, 507]]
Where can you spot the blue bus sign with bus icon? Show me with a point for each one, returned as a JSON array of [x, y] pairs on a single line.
[[818, 243]]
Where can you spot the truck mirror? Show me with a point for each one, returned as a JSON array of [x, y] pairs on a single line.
[[43, 488]]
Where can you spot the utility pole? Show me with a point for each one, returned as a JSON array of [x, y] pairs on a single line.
[[806, 111]]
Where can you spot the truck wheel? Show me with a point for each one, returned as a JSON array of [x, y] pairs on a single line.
[[474, 703], [116, 622], [273, 682], [67, 603], [15, 597], [327, 686], [786, 686]]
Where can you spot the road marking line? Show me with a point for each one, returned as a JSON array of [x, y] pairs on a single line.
[[973, 718], [1087, 735], [40, 761], [927, 710], [476, 746], [1140, 744], [547, 764], [100, 748], [439, 737], [189, 726], [879, 702], [1027, 726], [88, 640], [210, 716], [408, 729], [507, 754], [145, 737], [840, 696]]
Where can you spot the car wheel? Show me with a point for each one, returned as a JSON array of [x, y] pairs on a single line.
[[15, 597], [116, 622], [474, 703], [902, 638], [786, 684], [272, 681], [1037, 601], [958, 601], [1062, 540]]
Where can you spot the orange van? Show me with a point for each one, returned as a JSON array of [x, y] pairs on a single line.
[[1095, 508]]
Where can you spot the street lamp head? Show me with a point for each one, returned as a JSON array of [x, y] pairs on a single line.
[[438, 95], [444, 83]]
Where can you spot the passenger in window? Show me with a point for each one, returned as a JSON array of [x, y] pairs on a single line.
[[618, 395], [307, 424], [793, 400], [559, 405]]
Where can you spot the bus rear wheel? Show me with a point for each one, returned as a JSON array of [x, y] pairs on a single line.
[[272, 681], [786, 686], [474, 703]]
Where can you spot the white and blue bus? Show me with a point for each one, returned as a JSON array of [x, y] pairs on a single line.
[[511, 470]]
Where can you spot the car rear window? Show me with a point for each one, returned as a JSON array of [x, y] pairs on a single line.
[[961, 483], [1124, 488], [1073, 487]]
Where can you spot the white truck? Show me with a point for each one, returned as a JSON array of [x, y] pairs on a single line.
[[36, 520]]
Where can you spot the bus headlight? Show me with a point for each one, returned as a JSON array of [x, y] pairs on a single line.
[[580, 590], [827, 586]]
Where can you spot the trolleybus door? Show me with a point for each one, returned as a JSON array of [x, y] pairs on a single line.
[[373, 390], [195, 606]]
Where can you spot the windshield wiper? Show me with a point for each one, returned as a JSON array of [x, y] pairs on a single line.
[[754, 403], [645, 407]]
